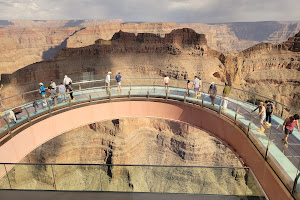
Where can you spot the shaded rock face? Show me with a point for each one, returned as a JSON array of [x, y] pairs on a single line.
[[135, 141], [140, 141]]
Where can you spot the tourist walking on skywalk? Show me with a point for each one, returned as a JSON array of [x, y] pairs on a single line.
[[212, 91], [225, 95], [42, 91], [68, 84], [107, 82], [196, 85], [53, 84], [269, 112], [288, 126], [62, 92], [53, 94], [261, 115], [118, 79], [167, 82]]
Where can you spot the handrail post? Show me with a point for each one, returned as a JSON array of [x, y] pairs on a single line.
[[54, 184], [184, 98], [220, 106], [79, 87], [70, 103], [269, 143], [49, 107], [90, 98], [148, 95], [248, 130], [29, 119], [236, 113], [295, 185], [166, 95], [7, 176], [202, 101], [129, 94], [281, 114]]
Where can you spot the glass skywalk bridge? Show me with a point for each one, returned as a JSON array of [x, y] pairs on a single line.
[[283, 160]]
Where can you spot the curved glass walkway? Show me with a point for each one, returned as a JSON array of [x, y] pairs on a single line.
[[283, 160]]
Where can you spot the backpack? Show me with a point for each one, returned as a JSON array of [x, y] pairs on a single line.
[[269, 108]]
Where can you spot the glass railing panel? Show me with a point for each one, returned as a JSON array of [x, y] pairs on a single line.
[[118, 178], [297, 184], [244, 117], [179, 83], [30, 177], [79, 177], [241, 95], [37, 107], [260, 139], [3, 126], [4, 183]]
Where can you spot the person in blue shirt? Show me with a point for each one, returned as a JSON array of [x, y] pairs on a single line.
[[118, 78], [42, 91]]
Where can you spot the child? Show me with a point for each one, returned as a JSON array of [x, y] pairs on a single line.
[[188, 86]]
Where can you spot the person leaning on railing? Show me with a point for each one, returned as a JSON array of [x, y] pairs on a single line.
[[261, 115], [288, 126]]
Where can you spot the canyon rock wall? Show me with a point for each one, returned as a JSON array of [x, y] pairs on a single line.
[[25, 42], [268, 69], [272, 70], [139, 141], [135, 141]]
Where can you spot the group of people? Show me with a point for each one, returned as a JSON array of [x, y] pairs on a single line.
[[118, 78], [62, 90], [212, 91], [266, 112]]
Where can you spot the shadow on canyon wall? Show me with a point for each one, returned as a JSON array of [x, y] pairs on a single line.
[[50, 53]]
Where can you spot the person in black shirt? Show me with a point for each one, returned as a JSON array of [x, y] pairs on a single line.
[[269, 112]]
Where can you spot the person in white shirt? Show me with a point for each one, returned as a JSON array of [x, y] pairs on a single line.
[[68, 82], [107, 82]]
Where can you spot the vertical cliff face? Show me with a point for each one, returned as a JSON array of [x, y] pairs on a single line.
[[272, 70]]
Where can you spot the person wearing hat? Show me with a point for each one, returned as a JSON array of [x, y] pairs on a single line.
[[212, 91], [42, 91], [107, 81]]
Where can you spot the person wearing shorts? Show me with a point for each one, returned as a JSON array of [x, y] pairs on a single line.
[[196, 85], [118, 79], [261, 115], [167, 81], [288, 126]]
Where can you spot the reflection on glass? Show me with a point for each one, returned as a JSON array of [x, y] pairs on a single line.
[[30, 177], [118, 178], [4, 183]]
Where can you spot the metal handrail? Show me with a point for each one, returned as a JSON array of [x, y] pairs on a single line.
[[102, 80], [148, 85]]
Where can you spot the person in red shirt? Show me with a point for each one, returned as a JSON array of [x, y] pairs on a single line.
[[288, 126]]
